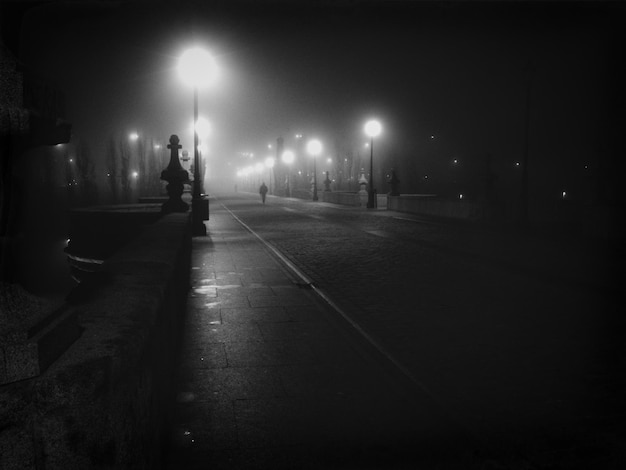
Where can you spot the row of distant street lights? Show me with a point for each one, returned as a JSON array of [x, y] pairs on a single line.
[[198, 69], [314, 149]]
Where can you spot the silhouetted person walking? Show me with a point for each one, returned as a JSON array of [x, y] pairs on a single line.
[[263, 191]]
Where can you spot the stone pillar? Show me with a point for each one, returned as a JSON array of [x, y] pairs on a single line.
[[362, 192], [175, 175]]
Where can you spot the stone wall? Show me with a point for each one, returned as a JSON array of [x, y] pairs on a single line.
[[437, 207], [341, 197], [104, 402]]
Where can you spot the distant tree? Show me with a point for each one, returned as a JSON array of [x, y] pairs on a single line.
[[143, 181], [111, 162], [70, 179], [154, 171], [86, 174]]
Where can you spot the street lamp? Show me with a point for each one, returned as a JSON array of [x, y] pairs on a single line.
[[372, 129], [196, 68], [288, 158], [314, 148]]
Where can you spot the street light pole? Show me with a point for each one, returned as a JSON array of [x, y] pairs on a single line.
[[372, 129], [315, 178], [197, 68], [198, 227], [370, 197]]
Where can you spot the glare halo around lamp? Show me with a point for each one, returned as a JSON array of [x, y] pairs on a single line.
[[372, 129], [197, 69]]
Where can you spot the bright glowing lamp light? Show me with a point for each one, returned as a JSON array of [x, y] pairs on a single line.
[[314, 147], [203, 127], [197, 68], [288, 157], [372, 128]]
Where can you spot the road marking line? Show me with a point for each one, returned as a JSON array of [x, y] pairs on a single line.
[[455, 416], [417, 221], [405, 218], [380, 233]]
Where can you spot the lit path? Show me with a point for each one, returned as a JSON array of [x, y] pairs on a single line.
[[518, 338]]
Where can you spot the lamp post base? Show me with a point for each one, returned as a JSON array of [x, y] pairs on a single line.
[[371, 200], [198, 229], [199, 209]]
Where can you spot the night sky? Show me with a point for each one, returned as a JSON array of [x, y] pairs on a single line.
[[448, 80]]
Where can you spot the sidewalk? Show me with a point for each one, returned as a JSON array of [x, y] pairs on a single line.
[[271, 378]]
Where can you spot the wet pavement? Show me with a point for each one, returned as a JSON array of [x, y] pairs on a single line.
[[271, 378]]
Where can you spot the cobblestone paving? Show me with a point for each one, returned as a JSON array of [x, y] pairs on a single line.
[[521, 338]]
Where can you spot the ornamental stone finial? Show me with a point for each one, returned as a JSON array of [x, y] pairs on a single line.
[[175, 175]]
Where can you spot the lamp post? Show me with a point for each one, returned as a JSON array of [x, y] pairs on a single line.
[[372, 129], [288, 158], [197, 69], [314, 148]]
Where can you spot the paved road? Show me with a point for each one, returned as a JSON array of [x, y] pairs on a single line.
[[519, 338]]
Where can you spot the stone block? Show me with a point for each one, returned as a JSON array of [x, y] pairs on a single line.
[[44, 342], [16, 449], [21, 362]]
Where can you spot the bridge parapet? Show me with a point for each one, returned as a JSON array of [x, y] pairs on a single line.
[[101, 403]]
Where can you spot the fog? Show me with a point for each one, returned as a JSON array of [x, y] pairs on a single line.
[[447, 81]]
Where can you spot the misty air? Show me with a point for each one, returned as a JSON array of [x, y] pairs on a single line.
[[309, 235]]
